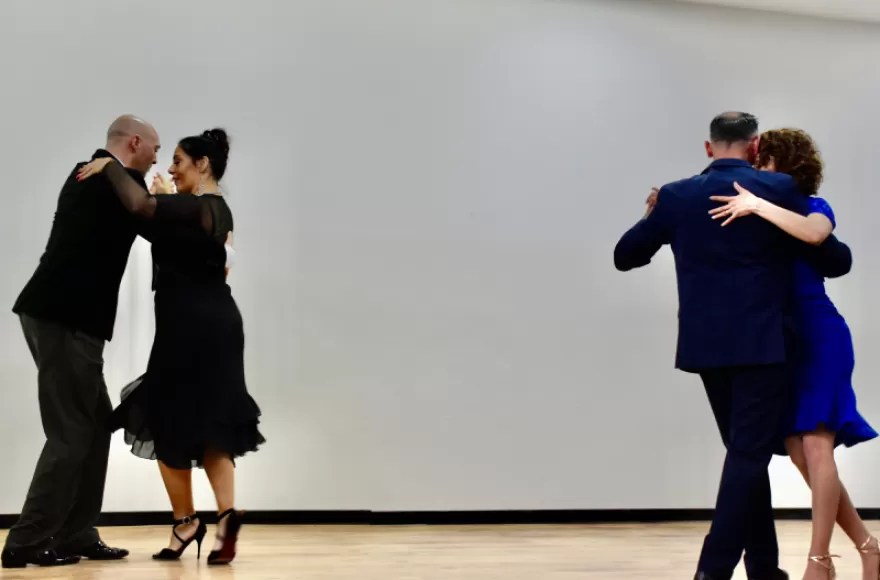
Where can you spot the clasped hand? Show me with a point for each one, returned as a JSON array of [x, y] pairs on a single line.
[[735, 206]]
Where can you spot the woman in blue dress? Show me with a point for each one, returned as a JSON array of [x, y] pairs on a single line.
[[825, 414]]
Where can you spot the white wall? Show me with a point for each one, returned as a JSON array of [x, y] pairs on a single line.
[[427, 193]]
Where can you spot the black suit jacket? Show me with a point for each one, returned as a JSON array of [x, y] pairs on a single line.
[[76, 283], [734, 282]]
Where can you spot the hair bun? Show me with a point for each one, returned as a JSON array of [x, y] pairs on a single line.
[[219, 138]]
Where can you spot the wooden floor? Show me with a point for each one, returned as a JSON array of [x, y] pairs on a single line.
[[618, 552]]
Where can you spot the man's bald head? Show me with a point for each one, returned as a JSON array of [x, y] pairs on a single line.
[[134, 142]]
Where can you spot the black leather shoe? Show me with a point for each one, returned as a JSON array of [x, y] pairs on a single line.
[[777, 575], [21, 558], [98, 551]]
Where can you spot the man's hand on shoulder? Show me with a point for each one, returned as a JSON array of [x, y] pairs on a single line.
[[639, 244]]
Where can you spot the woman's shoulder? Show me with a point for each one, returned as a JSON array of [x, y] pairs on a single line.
[[216, 203], [213, 198], [819, 205], [816, 201]]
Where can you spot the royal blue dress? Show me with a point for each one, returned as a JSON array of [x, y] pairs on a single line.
[[824, 359]]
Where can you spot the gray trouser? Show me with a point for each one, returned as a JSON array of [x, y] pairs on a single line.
[[67, 490]]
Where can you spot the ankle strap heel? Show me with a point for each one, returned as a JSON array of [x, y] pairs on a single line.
[[226, 554], [169, 554], [870, 546], [825, 562]]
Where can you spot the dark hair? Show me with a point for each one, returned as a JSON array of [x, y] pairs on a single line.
[[213, 144], [794, 153], [733, 126]]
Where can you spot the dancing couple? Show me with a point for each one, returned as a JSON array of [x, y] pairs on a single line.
[[753, 245], [191, 407]]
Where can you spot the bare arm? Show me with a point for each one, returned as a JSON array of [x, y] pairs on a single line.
[[812, 229]]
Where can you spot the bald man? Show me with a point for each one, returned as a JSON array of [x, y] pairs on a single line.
[[67, 311]]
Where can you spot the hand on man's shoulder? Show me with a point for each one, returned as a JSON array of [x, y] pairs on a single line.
[[780, 189]]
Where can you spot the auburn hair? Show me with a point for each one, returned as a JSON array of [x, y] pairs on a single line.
[[794, 153]]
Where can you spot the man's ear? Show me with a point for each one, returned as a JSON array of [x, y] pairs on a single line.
[[754, 142], [709, 152]]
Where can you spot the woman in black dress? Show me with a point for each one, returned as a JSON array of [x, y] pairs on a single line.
[[191, 407]]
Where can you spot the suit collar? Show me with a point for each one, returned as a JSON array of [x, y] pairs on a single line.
[[102, 153], [726, 163]]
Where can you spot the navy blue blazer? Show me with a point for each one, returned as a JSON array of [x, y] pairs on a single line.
[[734, 282]]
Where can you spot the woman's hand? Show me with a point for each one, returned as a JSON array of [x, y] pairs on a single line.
[[745, 203], [161, 185], [93, 168], [651, 201]]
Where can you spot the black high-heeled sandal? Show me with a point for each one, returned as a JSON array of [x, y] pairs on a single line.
[[201, 531], [226, 554]]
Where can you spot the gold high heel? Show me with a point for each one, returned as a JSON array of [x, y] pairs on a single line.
[[825, 562], [863, 549]]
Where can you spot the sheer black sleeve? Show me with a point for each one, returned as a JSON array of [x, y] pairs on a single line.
[[132, 195], [180, 208], [184, 209]]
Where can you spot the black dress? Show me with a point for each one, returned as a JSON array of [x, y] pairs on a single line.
[[193, 395]]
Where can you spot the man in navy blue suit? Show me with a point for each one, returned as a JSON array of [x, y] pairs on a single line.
[[735, 291]]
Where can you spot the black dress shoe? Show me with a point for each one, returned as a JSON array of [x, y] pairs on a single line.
[[98, 551], [21, 558], [776, 575]]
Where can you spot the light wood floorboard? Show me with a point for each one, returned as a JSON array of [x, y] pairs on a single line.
[[613, 552]]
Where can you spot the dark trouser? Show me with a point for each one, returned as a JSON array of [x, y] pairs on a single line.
[[67, 490], [749, 404]]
